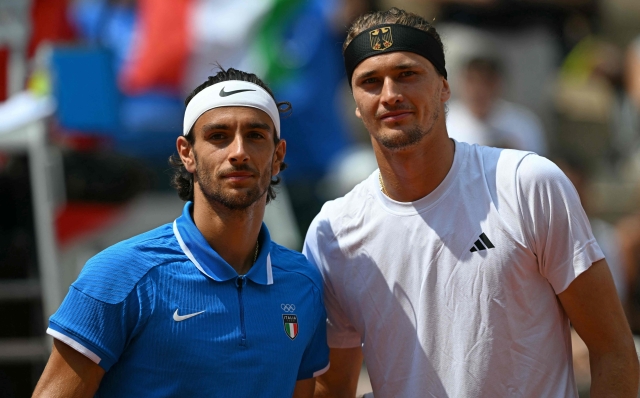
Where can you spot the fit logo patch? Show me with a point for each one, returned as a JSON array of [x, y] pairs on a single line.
[[381, 38], [290, 325]]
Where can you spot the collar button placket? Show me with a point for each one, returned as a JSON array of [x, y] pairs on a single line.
[[240, 283]]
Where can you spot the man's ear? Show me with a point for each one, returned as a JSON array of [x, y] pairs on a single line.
[[185, 151], [445, 94], [278, 157], [358, 113]]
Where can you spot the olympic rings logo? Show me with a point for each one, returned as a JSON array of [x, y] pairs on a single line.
[[288, 307]]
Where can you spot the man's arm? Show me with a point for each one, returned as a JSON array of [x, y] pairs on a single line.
[[592, 305], [68, 374], [341, 380], [304, 388]]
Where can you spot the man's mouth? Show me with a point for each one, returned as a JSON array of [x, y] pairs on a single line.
[[395, 116]]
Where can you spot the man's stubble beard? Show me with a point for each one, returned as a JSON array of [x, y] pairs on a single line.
[[411, 137], [233, 201]]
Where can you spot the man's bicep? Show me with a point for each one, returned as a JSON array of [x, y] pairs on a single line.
[[592, 305], [68, 374], [341, 380], [304, 388]]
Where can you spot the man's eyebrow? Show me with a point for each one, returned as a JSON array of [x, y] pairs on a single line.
[[215, 126], [366, 74], [259, 126], [406, 65], [403, 66], [223, 126]]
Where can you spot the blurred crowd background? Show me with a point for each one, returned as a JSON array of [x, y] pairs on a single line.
[[91, 103]]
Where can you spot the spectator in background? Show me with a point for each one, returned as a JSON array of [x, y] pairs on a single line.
[[628, 230], [629, 139], [626, 121], [481, 116], [532, 36]]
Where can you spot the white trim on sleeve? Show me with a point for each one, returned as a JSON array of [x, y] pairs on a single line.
[[75, 345], [322, 371]]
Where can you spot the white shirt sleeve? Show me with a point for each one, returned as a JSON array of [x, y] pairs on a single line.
[[317, 246], [555, 225]]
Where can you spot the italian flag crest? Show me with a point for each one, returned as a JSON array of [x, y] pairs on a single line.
[[290, 325]]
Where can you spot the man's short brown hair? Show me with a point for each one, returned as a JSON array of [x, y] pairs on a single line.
[[392, 16]]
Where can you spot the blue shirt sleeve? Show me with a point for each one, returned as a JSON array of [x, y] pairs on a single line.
[[99, 329], [315, 360]]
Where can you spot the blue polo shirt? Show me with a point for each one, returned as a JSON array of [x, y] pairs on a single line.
[[164, 315]]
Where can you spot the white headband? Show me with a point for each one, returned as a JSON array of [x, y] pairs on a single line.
[[230, 93]]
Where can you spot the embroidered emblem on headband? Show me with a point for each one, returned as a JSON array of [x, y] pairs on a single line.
[[381, 38]]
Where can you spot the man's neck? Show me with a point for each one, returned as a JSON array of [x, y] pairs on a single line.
[[413, 173], [233, 234]]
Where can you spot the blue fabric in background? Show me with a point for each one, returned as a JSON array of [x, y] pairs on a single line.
[[315, 131], [87, 98], [86, 86]]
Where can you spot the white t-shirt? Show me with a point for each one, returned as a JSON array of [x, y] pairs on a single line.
[[454, 295], [508, 126]]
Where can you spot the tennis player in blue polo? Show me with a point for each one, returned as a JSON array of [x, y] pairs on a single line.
[[206, 306]]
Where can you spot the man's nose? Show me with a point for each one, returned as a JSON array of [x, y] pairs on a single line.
[[238, 150], [390, 92]]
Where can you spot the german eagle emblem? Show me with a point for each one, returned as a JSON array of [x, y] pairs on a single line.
[[381, 38]]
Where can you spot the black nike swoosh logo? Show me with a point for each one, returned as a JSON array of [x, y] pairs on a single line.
[[228, 93]]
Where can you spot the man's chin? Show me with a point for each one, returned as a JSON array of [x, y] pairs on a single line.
[[236, 199], [398, 143], [400, 138]]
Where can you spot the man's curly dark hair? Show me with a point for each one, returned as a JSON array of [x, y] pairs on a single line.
[[181, 179]]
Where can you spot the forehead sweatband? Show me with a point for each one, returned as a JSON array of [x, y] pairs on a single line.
[[387, 38], [230, 93]]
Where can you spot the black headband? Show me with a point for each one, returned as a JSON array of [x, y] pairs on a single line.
[[386, 38]]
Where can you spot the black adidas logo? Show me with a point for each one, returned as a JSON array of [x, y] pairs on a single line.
[[480, 246]]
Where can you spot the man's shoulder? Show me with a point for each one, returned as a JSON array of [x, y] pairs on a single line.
[[111, 274], [537, 174], [352, 202], [511, 173], [500, 162], [284, 260], [140, 248], [511, 165]]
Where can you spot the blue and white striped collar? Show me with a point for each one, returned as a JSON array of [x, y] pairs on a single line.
[[197, 249]]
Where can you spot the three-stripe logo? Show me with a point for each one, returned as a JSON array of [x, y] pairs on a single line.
[[478, 245]]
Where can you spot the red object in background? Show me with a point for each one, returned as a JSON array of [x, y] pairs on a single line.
[[49, 22], [76, 220], [161, 50], [4, 73]]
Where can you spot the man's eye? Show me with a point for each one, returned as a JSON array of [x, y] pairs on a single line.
[[256, 135], [407, 73], [370, 80]]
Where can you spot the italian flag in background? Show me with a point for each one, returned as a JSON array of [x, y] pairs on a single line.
[[178, 43]]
